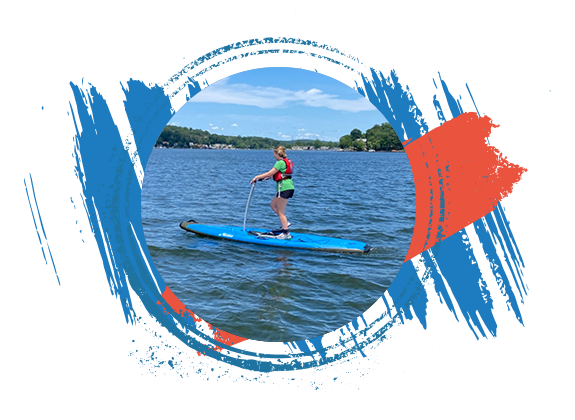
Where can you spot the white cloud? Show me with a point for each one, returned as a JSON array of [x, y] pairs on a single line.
[[272, 97], [234, 125], [316, 98], [302, 129]]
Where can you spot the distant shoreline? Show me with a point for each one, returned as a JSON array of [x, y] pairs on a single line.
[[297, 149], [378, 138]]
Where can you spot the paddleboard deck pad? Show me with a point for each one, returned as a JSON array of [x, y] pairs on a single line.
[[258, 237]]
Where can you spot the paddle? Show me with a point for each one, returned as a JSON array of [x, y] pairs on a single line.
[[248, 204]]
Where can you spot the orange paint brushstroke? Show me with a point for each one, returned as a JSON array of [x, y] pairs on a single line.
[[458, 177], [219, 335]]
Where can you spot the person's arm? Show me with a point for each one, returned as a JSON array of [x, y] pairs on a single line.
[[266, 175]]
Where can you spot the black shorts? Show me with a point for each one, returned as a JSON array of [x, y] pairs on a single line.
[[285, 194]]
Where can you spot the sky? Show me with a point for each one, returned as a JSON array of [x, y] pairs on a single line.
[[280, 103]]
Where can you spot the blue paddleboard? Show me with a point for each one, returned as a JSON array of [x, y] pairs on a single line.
[[253, 236]]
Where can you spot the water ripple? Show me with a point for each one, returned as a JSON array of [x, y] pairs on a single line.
[[267, 293]]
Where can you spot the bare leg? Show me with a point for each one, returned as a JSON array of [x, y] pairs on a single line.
[[274, 205], [278, 205], [280, 210]]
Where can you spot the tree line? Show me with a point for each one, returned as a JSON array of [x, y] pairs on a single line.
[[378, 137], [183, 138]]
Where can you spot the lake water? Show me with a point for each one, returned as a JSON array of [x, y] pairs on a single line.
[[272, 294]]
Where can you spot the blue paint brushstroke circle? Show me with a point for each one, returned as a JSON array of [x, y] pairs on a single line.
[[367, 330]]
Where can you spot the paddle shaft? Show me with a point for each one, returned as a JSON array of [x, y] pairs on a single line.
[[248, 204]]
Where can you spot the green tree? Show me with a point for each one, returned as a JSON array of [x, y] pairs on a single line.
[[392, 141], [383, 137], [356, 134], [374, 137], [345, 141]]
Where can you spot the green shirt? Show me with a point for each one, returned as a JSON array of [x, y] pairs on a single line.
[[286, 184]]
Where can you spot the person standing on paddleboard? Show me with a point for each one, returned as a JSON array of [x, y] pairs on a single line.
[[282, 174]]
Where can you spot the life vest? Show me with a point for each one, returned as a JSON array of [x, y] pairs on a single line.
[[279, 176]]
